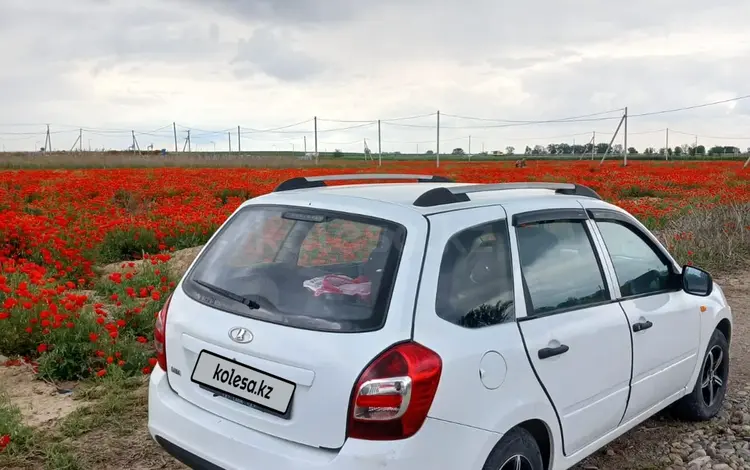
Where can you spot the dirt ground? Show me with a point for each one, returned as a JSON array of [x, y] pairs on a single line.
[[111, 433], [41, 403]]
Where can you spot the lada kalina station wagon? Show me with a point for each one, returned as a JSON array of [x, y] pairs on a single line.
[[429, 324]]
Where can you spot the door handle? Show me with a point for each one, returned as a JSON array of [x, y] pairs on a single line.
[[549, 352], [643, 325]]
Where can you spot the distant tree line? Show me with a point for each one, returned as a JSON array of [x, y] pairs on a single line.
[[617, 149]]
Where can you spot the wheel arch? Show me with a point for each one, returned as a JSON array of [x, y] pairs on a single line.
[[725, 326], [543, 436]]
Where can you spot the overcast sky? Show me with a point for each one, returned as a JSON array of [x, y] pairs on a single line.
[[111, 66]]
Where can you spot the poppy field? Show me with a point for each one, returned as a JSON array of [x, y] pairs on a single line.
[[58, 226]]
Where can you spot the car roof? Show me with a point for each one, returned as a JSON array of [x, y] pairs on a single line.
[[404, 195]]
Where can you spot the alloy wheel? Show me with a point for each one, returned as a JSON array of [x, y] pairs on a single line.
[[713, 376], [517, 462]]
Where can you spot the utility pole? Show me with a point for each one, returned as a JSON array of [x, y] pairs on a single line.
[[304, 142], [187, 142], [239, 140], [135, 143], [77, 142], [469, 147], [315, 120], [612, 140], [80, 140], [174, 131], [437, 154], [666, 146], [593, 145], [48, 141], [380, 148], [625, 140], [229, 135], [190, 144]]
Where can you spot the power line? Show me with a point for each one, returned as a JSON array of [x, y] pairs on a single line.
[[653, 131], [404, 118], [251, 130], [432, 141], [338, 129], [686, 108], [37, 133], [709, 136], [501, 126], [358, 141], [511, 121]]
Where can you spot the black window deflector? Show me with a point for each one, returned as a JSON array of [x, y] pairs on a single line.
[[608, 214], [548, 215]]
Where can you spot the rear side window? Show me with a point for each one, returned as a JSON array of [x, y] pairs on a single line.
[[475, 284], [304, 268], [559, 267]]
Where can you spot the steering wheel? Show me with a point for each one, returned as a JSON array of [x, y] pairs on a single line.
[[643, 282]]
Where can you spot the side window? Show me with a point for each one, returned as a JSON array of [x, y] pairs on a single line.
[[559, 267], [475, 284], [639, 269]]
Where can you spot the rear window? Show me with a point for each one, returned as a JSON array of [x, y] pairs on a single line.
[[301, 267]]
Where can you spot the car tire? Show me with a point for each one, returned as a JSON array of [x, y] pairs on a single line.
[[704, 403], [517, 445]]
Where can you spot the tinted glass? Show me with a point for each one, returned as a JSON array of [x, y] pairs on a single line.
[[305, 268], [640, 270], [475, 284], [559, 266]]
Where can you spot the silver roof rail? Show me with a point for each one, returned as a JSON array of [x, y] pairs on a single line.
[[452, 195], [306, 182]]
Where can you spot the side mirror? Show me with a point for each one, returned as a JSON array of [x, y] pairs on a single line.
[[696, 281]]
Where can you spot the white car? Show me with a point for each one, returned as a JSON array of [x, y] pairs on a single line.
[[433, 325]]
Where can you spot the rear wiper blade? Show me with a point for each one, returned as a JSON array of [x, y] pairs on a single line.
[[251, 304]]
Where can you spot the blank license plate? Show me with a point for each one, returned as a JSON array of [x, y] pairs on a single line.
[[243, 382]]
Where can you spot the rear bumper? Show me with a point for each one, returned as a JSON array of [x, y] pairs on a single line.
[[208, 442]]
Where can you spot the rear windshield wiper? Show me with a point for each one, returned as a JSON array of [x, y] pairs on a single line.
[[251, 304]]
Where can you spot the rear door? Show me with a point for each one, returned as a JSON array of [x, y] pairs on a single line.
[[664, 319], [288, 368], [577, 338]]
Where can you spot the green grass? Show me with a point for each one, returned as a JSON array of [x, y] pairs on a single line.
[[30, 448], [103, 432]]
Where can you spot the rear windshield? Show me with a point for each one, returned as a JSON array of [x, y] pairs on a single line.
[[301, 267]]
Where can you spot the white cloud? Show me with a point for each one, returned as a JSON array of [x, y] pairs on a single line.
[[264, 63]]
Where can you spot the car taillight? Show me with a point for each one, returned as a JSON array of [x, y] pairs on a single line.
[[160, 335], [393, 395]]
